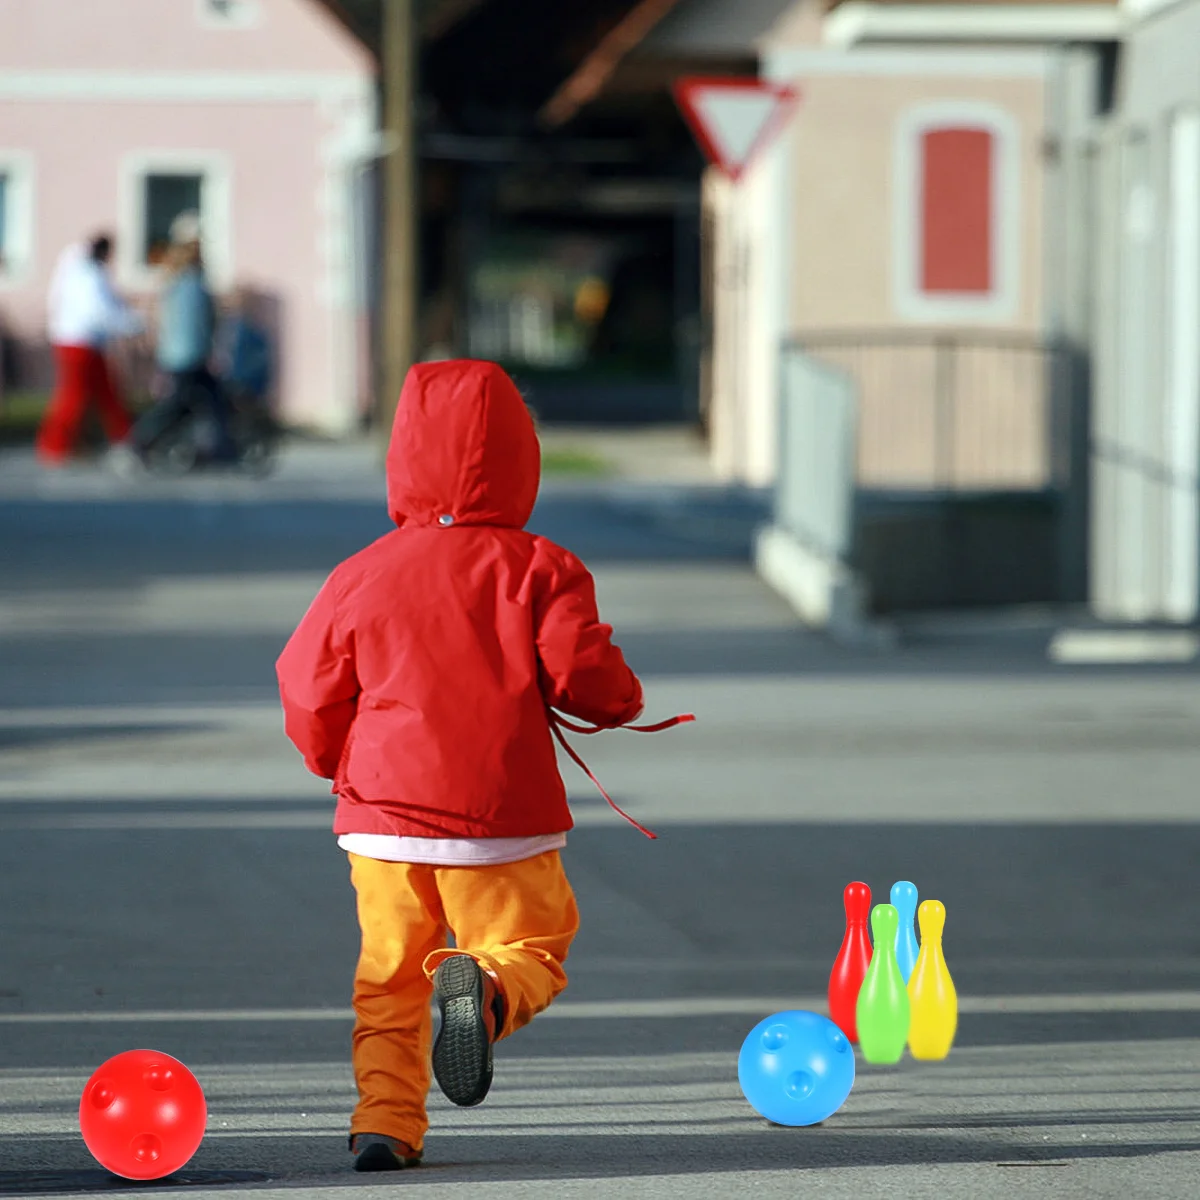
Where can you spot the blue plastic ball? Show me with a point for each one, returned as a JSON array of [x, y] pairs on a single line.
[[796, 1068]]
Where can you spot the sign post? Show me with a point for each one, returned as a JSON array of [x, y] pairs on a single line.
[[734, 119]]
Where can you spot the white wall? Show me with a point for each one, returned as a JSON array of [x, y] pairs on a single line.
[[1146, 343], [752, 256]]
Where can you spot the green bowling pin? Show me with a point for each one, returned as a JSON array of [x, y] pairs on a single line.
[[883, 1004]]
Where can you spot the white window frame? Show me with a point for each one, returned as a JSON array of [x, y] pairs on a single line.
[[216, 213], [911, 302], [246, 14], [19, 240]]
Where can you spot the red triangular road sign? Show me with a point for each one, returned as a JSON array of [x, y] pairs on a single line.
[[733, 119]]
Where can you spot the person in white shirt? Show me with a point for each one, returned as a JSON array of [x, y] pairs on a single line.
[[84, 314]]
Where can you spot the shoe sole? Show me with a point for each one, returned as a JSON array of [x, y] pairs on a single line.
[[462, 1054], [381, 1158]]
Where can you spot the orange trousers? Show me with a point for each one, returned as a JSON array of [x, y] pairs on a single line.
[[517, 920]]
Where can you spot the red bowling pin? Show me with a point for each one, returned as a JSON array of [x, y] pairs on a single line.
[[852, 961]]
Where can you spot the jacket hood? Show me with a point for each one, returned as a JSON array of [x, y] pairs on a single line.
[[464, 450]]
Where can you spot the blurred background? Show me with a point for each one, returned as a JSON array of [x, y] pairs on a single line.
[[978, 227]]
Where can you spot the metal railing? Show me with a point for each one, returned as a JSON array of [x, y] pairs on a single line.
[[946, 411]]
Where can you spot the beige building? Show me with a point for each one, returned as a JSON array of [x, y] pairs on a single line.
[[896, 230]]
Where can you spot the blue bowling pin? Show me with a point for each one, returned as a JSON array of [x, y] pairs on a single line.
[[904, 900]]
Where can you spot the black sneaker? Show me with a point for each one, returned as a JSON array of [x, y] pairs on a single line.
[[376, 1152], [472, 1013]]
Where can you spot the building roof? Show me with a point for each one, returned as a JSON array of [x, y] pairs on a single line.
[[831, 4], [435, 18], [349, 14], [715, 28], [858, 22]]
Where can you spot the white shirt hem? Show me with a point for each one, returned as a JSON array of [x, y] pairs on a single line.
[[450, 852]]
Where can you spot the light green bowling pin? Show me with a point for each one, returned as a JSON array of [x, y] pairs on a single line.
[[883, 1005]]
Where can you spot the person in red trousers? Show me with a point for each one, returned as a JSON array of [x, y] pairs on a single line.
[[84, 315], [423, 681]]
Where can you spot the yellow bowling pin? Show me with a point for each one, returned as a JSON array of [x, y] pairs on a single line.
[[931, 993]]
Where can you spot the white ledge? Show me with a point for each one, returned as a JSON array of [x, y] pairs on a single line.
[[857, 22]]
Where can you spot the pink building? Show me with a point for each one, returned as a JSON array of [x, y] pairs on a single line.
[[118, 114]]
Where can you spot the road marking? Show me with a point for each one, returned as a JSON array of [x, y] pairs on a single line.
[[1128, 1002], [1101, 646]]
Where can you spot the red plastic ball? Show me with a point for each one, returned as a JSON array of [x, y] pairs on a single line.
[[142, 1114]]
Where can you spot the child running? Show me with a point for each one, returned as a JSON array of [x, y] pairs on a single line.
[[422, 682]]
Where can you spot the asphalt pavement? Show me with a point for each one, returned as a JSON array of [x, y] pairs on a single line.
[[168, 878]]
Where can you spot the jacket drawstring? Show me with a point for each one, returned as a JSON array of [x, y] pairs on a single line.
[[558, 724]]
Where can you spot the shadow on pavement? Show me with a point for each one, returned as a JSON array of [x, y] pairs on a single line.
[[14, 737], [39, 670], [123, 545], [1034, 910], [1031, 908], [45, 1183], [123, 542], [531, 1157]]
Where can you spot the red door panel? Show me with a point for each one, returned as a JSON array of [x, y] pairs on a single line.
[[956, 211]]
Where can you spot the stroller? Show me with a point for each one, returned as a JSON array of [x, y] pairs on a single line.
[[243, 378], [190, 442]]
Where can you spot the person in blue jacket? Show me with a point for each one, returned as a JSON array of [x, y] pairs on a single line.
[[187, 323]]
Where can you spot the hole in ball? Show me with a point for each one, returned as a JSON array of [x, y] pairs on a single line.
[[837, 1039], [800, 1084], [146, 1148], [774, 1037], [159, 1078], [102, 1094]]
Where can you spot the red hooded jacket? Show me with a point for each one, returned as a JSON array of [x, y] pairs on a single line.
[[421, 678]]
